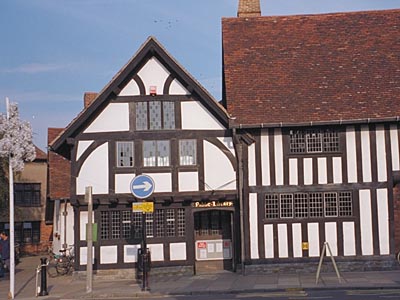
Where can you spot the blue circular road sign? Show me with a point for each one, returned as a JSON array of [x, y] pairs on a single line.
[[142, 186]]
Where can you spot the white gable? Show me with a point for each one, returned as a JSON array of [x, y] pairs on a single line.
[[153, 73], [196, 116], [115, 117], [177, 88], [131, 89]]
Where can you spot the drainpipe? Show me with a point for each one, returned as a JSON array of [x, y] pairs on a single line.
[[239, 150], [65, 213]]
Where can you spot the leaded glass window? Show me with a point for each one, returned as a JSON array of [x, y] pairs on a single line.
[[271, 206], [125, 154], [169, 115], [286, 206], [141, 116], [187, 152], [155, 115], [156, 153], [314, 141]]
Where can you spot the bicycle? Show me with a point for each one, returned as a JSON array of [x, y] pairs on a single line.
[[60, 264]]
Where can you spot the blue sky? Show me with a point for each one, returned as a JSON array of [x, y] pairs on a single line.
[[52, 51]]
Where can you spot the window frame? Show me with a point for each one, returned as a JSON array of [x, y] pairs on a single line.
[[118, 152], [150, 109], [156, 156], [313, 141]]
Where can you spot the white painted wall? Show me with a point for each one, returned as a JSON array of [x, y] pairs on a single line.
[[188, 181], [131, 253], [297, 240], [394, 144], [293, 180], [228, 142], [381, 153], [162, 182], [61, 230], [177, 251], [123, 183], [383, 221], [313, 239], [337, 170], [82, 146], [365, 154], [331, 237], [196, 116], [278, 156], [308, 171], [176, 88], [218, 170], [351, 154], [322, 170], [83, 255], [253, 219], [131, 89], [252, 164], [366, 222], [83, 222], [156, 251], [108, 254], [349, 239], [115, 117], [283, 249], [265, 166], [94, 172], [153, 73], [269, 240]]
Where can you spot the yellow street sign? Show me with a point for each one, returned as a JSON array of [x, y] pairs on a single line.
[[147, 207]]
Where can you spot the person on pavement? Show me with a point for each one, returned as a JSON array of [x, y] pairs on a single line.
[[5, 253]]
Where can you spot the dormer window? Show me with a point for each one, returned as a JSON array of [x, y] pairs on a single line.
[[155, 115]]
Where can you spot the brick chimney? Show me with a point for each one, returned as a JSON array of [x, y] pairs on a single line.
[[88, 98], [249, 8]]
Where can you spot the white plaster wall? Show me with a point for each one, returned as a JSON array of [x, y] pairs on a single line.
[[322, 170], [177, 251], [188, 181], [383, 221], [115, 117], [252, 164], [337, 170], [283, 249], [94, 172], [162, 182], [176, 88], [381, 153], [297, 240], [123, 183], [349, 239], [82, 146], [313, 239], [366, 222], [365, 154], [293, 180], [153, 73], [83, 255], [109, 254], [308, 171], [131, 89], [278, 156], [196, 116], [269, 240], [64, 231], [265, 167], [157, 252], [394, 144], [130, 253], [351, 154], [218, 170], [331, 237], [83, 222], [228, 142], [253, 219]]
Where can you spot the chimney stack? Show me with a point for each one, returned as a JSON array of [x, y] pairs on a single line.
[[249, 8], [88, 98]]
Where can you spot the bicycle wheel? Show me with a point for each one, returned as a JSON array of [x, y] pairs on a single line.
[[51, 268], [62, 266]]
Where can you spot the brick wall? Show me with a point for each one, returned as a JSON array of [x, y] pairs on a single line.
[[249, 8]]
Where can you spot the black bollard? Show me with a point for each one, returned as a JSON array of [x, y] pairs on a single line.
[[43, 277]]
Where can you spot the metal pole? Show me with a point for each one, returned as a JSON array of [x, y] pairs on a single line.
[[12, 235], [144, 252], [89, 237], [43, 278]]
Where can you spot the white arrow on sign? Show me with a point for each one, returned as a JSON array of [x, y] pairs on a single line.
[[145, 186]]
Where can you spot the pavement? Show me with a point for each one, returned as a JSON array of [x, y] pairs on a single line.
[[74, 287]]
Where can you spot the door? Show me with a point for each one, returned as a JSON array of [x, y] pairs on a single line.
[[213, 241]]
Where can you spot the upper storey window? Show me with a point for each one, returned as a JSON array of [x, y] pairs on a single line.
[[155, 115], [314, 141], [156, 153], [125, 154]]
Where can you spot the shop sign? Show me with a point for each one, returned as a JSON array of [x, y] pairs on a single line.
[[202, 245], [212, 204], [144, 207]]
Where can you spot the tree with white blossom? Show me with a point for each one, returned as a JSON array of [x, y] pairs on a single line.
[[16, 139]]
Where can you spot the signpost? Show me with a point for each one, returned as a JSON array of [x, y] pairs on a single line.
[[142, 187]]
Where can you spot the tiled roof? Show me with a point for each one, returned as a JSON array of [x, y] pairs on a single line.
[[312, 68]]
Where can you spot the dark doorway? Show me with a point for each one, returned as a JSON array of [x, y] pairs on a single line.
[[213, 241]]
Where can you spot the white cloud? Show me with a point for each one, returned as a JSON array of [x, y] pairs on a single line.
[[34, 68]]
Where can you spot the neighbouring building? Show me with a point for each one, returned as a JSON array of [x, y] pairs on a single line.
[[319, 95], [303, 150], [30, 185]]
